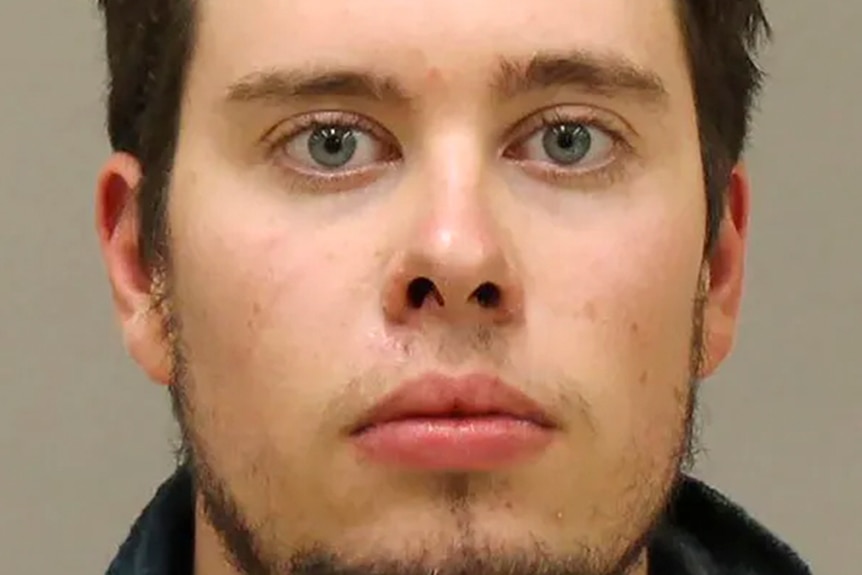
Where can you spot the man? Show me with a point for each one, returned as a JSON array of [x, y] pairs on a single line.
[[432, 284]]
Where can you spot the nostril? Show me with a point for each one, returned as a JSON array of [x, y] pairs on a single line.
[[418, 291], [488, 295]]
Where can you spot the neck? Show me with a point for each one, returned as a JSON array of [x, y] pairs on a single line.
[[210, 556]]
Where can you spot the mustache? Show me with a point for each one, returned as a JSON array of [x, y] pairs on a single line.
[[556, 395], [454, 347]]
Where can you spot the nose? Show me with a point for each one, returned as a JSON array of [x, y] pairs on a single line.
[[456, 265]]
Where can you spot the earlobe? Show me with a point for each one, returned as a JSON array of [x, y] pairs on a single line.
[[725, 273], [131, 282]]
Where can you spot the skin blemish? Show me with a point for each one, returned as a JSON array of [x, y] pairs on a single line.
[[433, 74], [433, 78], [256, 310], [590, 311]]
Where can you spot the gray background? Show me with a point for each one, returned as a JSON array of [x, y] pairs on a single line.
[[84, 438]]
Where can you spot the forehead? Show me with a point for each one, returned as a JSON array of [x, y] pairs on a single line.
[[423, 39]]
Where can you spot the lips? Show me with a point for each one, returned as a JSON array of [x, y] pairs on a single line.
[[438, 396], [470, 423]]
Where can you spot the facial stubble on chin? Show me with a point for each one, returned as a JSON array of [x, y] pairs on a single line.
[[242, 544]]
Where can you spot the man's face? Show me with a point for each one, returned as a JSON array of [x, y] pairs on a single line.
[[376, 193]]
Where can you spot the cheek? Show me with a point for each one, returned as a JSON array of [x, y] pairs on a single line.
[[615, 304], [262, 298]]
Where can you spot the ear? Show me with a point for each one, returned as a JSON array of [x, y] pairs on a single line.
[[725, 273], [132, 284]]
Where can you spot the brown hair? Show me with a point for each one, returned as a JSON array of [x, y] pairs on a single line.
[[150, 43]]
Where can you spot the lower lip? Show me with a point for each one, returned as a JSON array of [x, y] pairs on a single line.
[[455, 444]]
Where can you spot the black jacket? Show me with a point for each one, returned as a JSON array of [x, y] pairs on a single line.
[[705, 534]]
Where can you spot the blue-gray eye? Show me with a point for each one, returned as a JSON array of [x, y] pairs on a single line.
[[337, 147], [567, 144], [332, 146], [576, 145]]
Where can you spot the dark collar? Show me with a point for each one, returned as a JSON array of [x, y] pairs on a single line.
[[161, 542], [705, 534]]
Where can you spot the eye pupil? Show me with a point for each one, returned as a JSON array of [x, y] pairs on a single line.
[[332, 146], [567, 143]]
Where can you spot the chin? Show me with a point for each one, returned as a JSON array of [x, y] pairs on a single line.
[[464, 536], [462, 553]]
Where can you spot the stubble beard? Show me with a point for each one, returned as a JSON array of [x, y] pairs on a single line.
[[242, 545]]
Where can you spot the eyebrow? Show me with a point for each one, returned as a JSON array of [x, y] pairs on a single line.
[[607, 75], [284, 85]]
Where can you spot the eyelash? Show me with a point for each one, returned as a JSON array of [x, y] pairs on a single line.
[[310, 180], [606, 174]]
